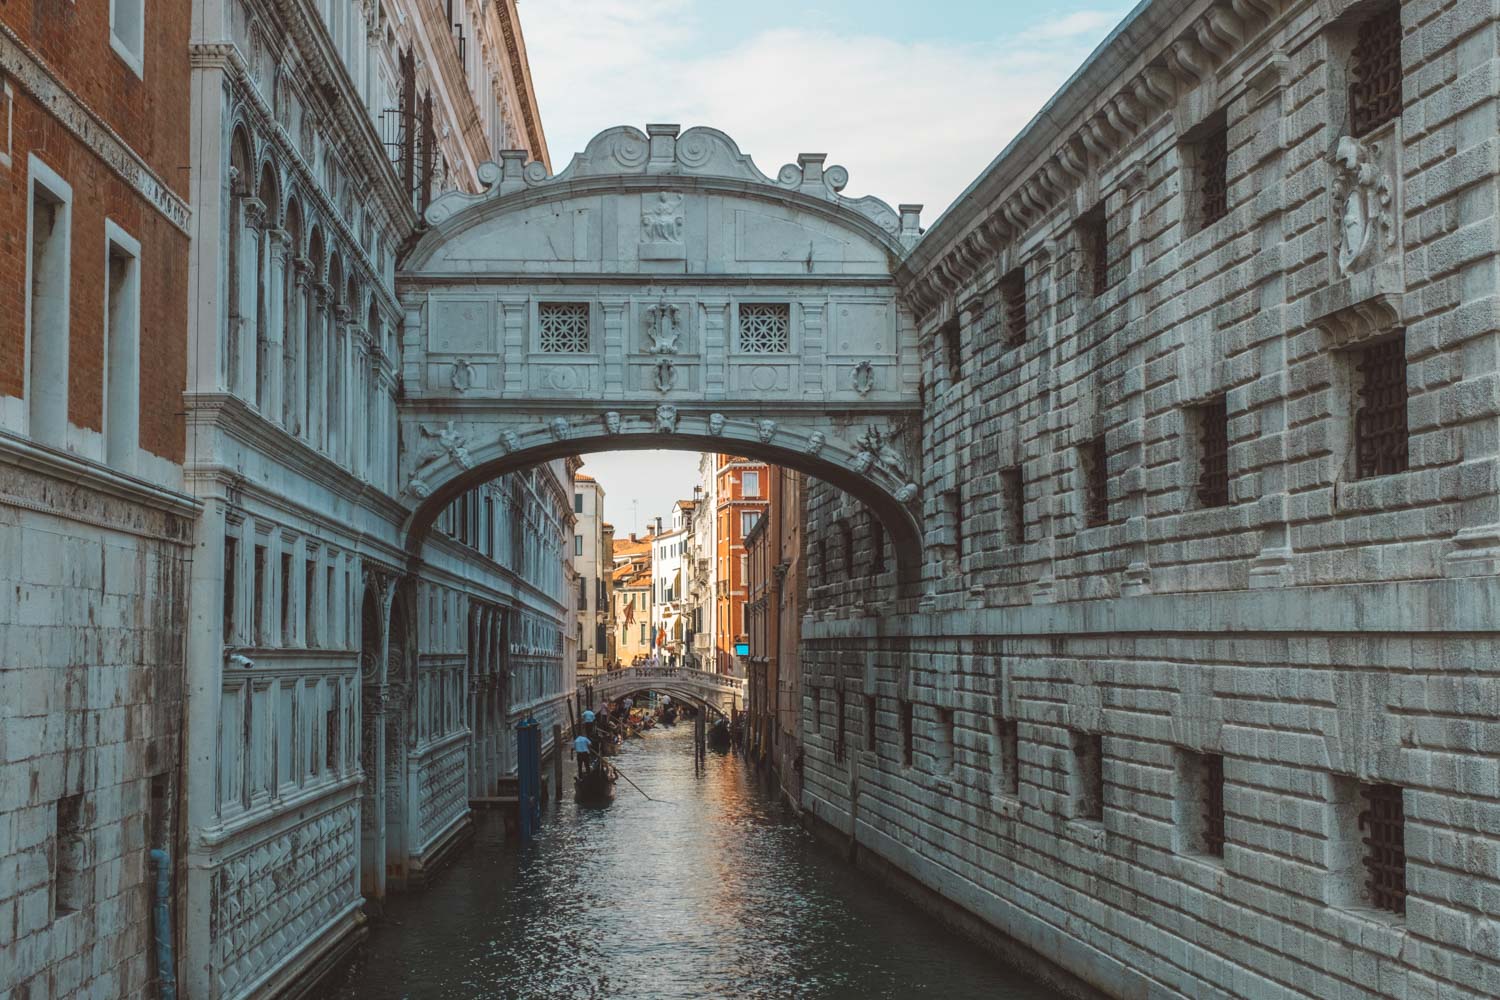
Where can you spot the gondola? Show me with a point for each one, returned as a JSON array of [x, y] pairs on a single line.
[[595, 786], [718, 735], [669, 716]]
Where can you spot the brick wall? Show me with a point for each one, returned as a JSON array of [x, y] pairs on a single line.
[[1322, 628]]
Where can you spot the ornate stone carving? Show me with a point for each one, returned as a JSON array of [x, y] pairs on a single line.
[[559, 428], [765, 429], [666, 419], [612, 422], [239, 661], [450, 444], [662, 218], [716, 424], [662, 325], [906, 493], [864, 378], [814, 443], [879, 445], [666, 375], [1362, 189], [463, 375], [510, 441]]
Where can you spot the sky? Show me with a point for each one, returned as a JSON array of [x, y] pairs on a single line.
[[914, 99]]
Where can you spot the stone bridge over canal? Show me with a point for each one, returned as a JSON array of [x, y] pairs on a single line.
[[719, 692], [662, 292]]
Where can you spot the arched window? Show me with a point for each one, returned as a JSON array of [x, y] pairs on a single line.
[[240, 178], [292, 331]]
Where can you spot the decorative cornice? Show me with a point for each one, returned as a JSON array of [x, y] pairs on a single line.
[[520, 71], [20, 63]]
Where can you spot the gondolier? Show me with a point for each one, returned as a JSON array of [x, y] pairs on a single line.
[[583, 749]]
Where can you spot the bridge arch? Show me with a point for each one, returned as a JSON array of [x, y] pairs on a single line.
[[661, 292]]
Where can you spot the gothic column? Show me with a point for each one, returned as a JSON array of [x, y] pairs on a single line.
[[296, 388], [274, 373], [318, 336]]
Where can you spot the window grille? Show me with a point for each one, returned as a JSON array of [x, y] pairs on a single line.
[[1013, 495], [1375, 90], [1213, 176], [563, 327], [954, 352], [1093, 233], [1213, 804], [1088, 767], [1013, 292], [1096, 482], [765, 328], [1380, 421], [1384, 823], [1213, 454]]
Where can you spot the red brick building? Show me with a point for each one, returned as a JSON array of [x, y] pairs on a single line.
[[95, 530], [739, 501]]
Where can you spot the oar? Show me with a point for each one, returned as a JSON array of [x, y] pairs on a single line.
[[638, 788]]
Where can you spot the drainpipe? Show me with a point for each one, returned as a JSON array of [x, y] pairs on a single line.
[[165, 967]]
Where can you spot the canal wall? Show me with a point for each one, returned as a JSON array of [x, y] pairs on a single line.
[[1197, 695]]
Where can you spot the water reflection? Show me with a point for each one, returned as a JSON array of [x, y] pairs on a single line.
[[711, 892]]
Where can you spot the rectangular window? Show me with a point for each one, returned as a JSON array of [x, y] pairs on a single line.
[[906, 731], [330, 604], [231, 575], [1200, 802], [122, 351], [127, 32], [1212, 420], [838, 722], [310, 629], [1013, 300], [7, 120], [1093, 242], [259, 597], [1380, 436], [750, 484], [944, 742], [1013, 496], [578, 503], [1206, 151], [47, 310], [952, 347], [747, 521], [70, 886], [765, 328], [953, 506], [870, 706], [578, 545], [286, 599], [1094, 459], [563, 327], [877, 545], [1006, 754], [1382, 820], [583, 594], [1375, 87], [1088, 775]]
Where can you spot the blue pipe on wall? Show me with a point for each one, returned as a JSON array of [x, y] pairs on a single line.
[[166, 970]]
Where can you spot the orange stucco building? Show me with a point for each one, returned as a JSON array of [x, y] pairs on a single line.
[[740, 492]]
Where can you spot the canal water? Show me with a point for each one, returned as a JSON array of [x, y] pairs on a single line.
[[714, 891]]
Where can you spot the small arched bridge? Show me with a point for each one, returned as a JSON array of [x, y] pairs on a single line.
[[719, 692], [662, 292]]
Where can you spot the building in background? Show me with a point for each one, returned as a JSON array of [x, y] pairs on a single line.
[[593, 561], [699, 566], [96, 528], [605, 624], [739, 501], [632, 599], [668, 546], [773, 622]]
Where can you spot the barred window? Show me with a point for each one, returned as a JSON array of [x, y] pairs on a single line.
[[1013, 295], [1375, 87], [1383, 822], [877, 545], [1013, 496], [1213, 175], [1088, 775], [564, 327], [905, 715], [1213, 454], [1095, 482], [1093, 237], [1380, 420], [1213, 804], [765, 328]]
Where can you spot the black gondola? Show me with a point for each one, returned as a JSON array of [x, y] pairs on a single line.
[[595, 784], [718, 735]]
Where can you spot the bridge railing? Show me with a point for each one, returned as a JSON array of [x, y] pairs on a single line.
[[625, 676]]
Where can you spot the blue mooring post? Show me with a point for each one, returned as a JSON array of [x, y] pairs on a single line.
[[166, 970], [529, 775]]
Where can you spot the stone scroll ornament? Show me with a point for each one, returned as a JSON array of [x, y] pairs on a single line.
[[864, 378], [1362, 195], [463, 375]]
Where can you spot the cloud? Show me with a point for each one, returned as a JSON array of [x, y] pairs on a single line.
[[913, 121]]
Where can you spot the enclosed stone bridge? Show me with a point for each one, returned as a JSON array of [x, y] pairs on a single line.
[[718, 692], [661, 292]]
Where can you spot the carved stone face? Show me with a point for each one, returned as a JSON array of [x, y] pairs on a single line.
[[666, 418], [766, 429], [612, 422], [716, 424]]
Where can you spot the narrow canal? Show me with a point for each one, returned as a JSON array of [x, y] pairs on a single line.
[[712, 892]]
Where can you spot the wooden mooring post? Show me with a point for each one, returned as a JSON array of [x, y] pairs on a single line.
[[557, 763]]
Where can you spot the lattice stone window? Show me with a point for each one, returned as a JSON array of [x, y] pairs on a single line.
[[1383, 822], [563, 327], [1375, 87], [1380, 437], [765, 328]]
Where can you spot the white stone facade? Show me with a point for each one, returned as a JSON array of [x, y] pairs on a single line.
[[593, 561], [1209, 458]]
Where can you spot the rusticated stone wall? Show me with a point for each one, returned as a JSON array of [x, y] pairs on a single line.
[[1177, 568]]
